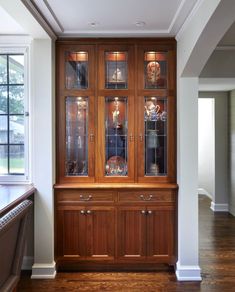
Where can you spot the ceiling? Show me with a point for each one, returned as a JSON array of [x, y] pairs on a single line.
[[105, 18], [8, 25], [110, 18], [115, 17], [229, 37]]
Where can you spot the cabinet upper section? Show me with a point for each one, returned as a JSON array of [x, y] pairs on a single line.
[[116, 110]]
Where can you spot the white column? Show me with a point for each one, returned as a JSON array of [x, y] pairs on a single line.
[[187, 173], [42, 97]]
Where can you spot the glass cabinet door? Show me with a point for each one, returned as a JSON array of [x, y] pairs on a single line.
[[156, 114], [77, 136], [116, 142], [155, 136], [76, 70], [116, 139], [116, 70], [155, 70], [75, 116]]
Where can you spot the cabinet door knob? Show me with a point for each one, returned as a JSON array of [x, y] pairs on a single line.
[[83, 198], [88, 211], [141, 137], [143, 212], [83, 212], [92, 137], [150, 211]]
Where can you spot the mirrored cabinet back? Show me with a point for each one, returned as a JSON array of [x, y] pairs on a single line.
[[115, 191]]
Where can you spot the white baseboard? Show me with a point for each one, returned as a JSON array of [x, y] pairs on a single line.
[[43, 271], [188, 273], [219, 207], [27, 263], [202, 191]]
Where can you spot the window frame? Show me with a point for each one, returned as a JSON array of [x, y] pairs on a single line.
[[21, 178]]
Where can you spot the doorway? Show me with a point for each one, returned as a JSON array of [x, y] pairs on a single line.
[[206, 147]]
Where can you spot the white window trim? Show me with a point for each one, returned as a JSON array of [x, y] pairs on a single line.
[[21, 49]]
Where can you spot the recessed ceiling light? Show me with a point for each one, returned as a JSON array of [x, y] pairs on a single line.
[[93, 23], [140, 23]]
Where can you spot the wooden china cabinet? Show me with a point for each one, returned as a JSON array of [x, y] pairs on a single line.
[[116, 191]]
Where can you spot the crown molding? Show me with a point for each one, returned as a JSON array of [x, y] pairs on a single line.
[[88, 34], [46, 10], [15, 40], [188, 19], [40, 19]]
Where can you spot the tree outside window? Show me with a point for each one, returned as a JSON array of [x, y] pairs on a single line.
[[12, 119]]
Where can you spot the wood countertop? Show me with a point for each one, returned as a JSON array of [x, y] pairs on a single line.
[[116, 186]]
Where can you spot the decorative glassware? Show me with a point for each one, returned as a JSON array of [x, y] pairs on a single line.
[[155, 124], [116, 136], [116, 70], [155, 66]]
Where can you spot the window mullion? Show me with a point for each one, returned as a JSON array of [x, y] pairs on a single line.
[[8, 117]]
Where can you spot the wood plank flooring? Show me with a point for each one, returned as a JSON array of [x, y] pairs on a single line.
[[217, 261]]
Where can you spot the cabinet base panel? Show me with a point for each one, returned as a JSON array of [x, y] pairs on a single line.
[[115, 267]]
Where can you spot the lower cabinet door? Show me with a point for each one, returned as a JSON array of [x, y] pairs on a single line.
[[100, 233], [86, 233], [71, 233], [160, 233], [131, 237]]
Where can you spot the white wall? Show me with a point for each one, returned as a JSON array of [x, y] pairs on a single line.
[[220, 65], [187, 174], [206, 146], [232, 151], [221, 191], [42, 97], [196, 41]]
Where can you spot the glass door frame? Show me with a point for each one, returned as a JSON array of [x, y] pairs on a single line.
[[100, 154], [169, 93], [62, 93]]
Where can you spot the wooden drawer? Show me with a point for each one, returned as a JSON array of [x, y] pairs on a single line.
[[86, 196], [147, 196]]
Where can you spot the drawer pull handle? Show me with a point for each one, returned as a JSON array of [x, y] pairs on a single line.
[[146, 199], [88, 211], [83, 198], [83, 212]]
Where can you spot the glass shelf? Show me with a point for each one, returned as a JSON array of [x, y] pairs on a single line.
[[76, 136], [155, 127], [76, 70], [116, 70], [155, 67], [116, 147]]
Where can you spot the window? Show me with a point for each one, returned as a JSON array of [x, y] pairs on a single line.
[[13, 118]]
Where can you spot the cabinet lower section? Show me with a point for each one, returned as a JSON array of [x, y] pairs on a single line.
[[115, 228]]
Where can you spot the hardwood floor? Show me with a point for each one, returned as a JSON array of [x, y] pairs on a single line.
[[217, 261]]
